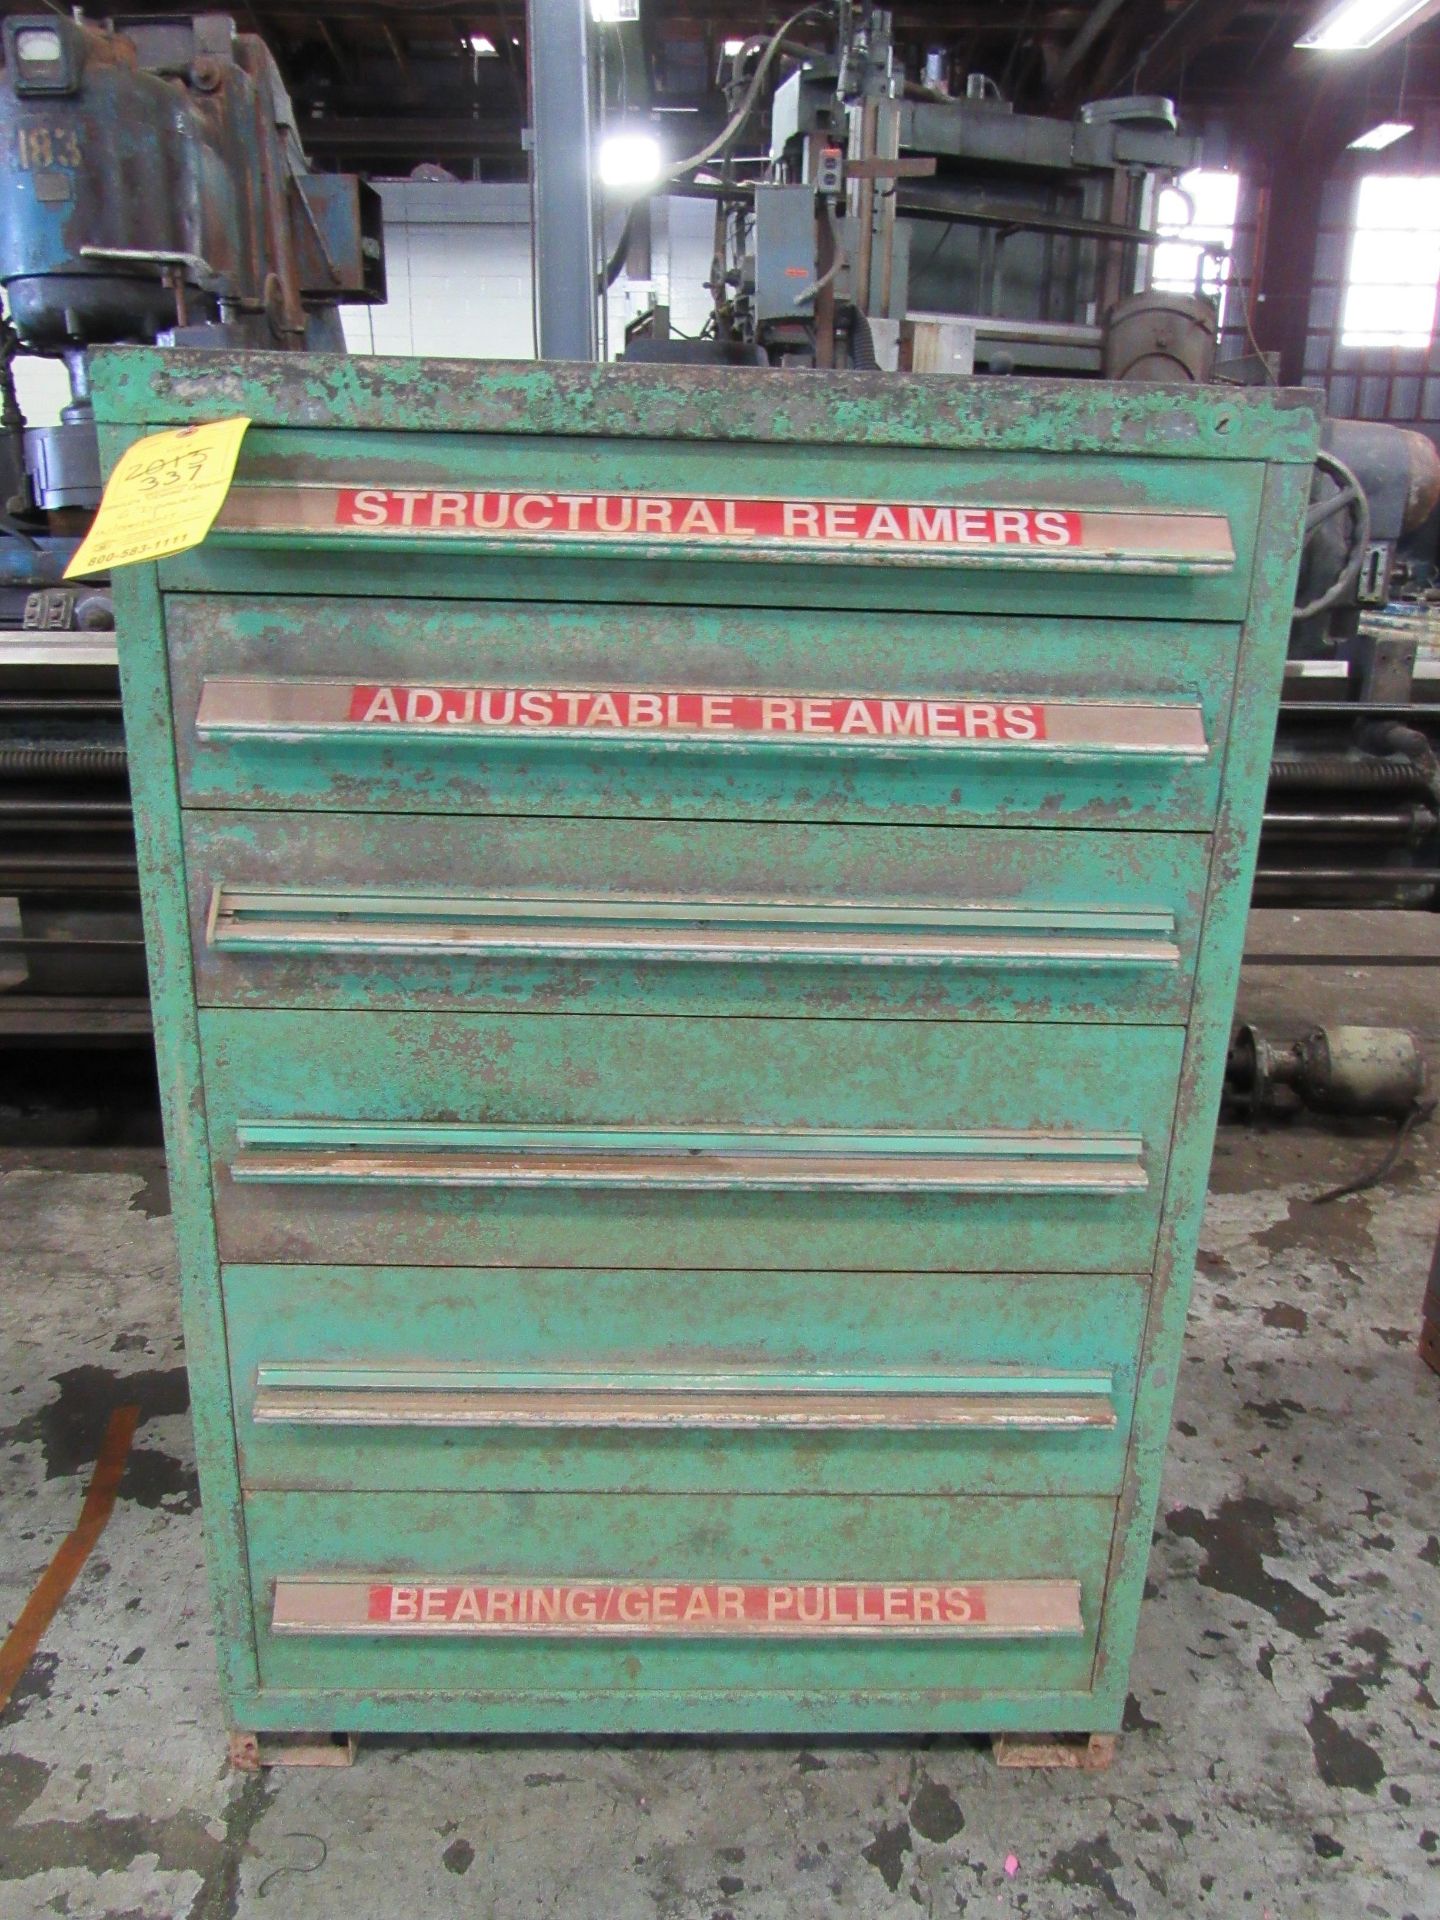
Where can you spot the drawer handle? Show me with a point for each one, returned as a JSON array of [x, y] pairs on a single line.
[[282, 920], [720, 527], [832, 725], [539, 1398], [610, 1608], [440, 1154]]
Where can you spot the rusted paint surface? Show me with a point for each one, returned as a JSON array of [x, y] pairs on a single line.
[[367, 770], [760, 1277], [149, 718], [700, 1538], [1081, 888], [623, 1320], [1222, 496], [688, 1076], [700, 404], [613, 1409], [1234, 847]]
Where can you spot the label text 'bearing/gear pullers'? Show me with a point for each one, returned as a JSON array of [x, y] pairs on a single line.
[[701, 1608]]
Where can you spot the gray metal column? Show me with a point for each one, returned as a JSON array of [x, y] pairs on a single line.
[[562, 169]]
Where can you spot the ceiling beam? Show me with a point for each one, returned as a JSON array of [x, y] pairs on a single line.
[[1193, 29], [1098, 20], [1127, 30]]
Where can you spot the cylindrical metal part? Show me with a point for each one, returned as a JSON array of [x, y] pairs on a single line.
[[1407, 823], [60, 763], [1357, 773], [1357, 1071], [1160, 336], [1360, 1070], [1399, 470]]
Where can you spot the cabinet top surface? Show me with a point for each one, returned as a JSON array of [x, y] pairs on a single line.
[[144, 386]]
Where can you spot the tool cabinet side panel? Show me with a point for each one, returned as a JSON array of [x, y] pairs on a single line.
[[1234, 850], [149, 733]]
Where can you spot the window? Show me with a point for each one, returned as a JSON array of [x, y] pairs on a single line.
[[1197, 230], [1394, 264]]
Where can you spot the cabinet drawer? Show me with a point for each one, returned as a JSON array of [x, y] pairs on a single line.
[[525, 1140], [440, 1378], [709, 713], [606, 916], [729, 524], [545, 1594]]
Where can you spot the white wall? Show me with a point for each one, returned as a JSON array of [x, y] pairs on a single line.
[[458, 274], [43, 387], [457, 270]]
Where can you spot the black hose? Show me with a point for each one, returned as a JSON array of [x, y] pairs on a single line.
[[610, 273], [862, 345], [10, 525], [1338, 772], [59, 763]]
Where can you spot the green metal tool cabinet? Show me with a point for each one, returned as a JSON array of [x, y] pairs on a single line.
[[693, 921]]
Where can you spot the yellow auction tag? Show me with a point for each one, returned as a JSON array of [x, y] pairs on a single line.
[[162, 497]]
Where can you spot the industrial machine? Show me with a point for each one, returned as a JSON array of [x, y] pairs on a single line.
[[693, 944], [153, 187], [898, 225]]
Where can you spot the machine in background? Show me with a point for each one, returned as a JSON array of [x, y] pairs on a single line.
[[901, 227], [154, 188]]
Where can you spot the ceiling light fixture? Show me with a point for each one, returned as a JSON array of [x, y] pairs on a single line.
[[1378, 138], [1357, 25], [483, 47]]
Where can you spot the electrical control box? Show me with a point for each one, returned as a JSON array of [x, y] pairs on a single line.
[[784, 253]]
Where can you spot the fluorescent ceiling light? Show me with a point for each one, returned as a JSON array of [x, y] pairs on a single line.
[[613, 13], [1356, 25], [731, 48], [1378, 138], [483, 47], [629, 160]]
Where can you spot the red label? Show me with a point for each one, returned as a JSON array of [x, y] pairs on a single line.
[[658, 711], [601, 1605], [697, 517]]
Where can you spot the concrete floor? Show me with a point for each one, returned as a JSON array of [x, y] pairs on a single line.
[[1283, 1757]]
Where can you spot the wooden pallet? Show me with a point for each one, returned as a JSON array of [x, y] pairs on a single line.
[[1076, 1752], [1430, 1316], [249, 1752], [1082, 1752]]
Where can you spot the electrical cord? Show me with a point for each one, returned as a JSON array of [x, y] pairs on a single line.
[[839, 259], [611, 270], [735, 124], [1417, 1116], [11, 526]]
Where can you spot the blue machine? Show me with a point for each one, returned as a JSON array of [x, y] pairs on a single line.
[[154, 189]]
